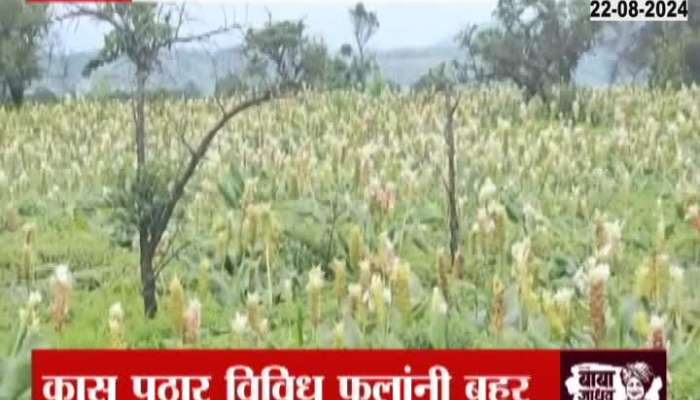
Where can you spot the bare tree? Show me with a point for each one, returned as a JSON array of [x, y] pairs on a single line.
[[364, 25], [444, 81], [141, 33], [451, 103]]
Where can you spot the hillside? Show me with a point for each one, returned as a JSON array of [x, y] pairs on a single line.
[[198, 68]]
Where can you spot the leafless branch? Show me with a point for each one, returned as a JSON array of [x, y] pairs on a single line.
[[185, 143], [220, 104], [171, 256], [96, 13], [196, 158]]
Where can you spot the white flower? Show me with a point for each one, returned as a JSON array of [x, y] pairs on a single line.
[[387, 295], [612, 232], [34, 299], [590, 263], [581, 280], [600, 273], [114, 325], [116, 312], [377, 283], [496, 208], [487, 190], [253, 298], [315, 279], [563, 296], [692, 212], [239, 324], [62, 275], [677, 273], [657, 323], [194, 308], [521, 253], [355, 290]]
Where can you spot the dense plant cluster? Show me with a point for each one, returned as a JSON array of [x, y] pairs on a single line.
[[322, 221]]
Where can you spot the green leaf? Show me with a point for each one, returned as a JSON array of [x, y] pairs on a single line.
[[232, 189], [437, 329], [16, 379]]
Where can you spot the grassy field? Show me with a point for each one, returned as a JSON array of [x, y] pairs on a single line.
[[321, 221]]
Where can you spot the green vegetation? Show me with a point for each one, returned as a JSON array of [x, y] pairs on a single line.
[[316, 221], [311, 204], [22, 30]]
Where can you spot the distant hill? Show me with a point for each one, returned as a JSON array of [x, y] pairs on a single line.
[[179, 68], [405, 66], [196, 68]]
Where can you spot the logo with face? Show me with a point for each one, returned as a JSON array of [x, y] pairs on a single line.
[[640, 382], [613, 375]]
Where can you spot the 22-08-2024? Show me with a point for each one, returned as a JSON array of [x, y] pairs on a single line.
[[639, 10]]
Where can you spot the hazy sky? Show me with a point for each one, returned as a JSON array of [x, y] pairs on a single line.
[[402, 23]]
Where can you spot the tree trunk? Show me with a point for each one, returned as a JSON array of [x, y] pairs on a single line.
[[16, 92], [451, 184], [147, 246], [148, 277], [360, 60], [140, 121], [151, 232]]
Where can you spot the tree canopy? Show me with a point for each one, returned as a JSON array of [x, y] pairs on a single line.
[[22, 30], [534, 44]]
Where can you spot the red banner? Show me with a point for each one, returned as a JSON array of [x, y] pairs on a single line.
[[346, 374], [76, 1]]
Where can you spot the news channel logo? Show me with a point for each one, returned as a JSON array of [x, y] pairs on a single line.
[[613, 375]]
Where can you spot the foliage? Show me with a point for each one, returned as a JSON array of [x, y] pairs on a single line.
[[674, 54], [22, 30], [15, 369], [536, 43], [281, 43], [547, 194], [660, 52], [364, 25], [442, 77], [140, 33], [137, 201], [281, 52]]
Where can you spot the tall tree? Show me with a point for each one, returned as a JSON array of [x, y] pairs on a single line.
[[280, 43], [141, 33], [284, 49], [22, 30], [535, 44], [661, 52], [364, 25]]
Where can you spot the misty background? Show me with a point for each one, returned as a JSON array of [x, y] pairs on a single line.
[[412, 38]]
